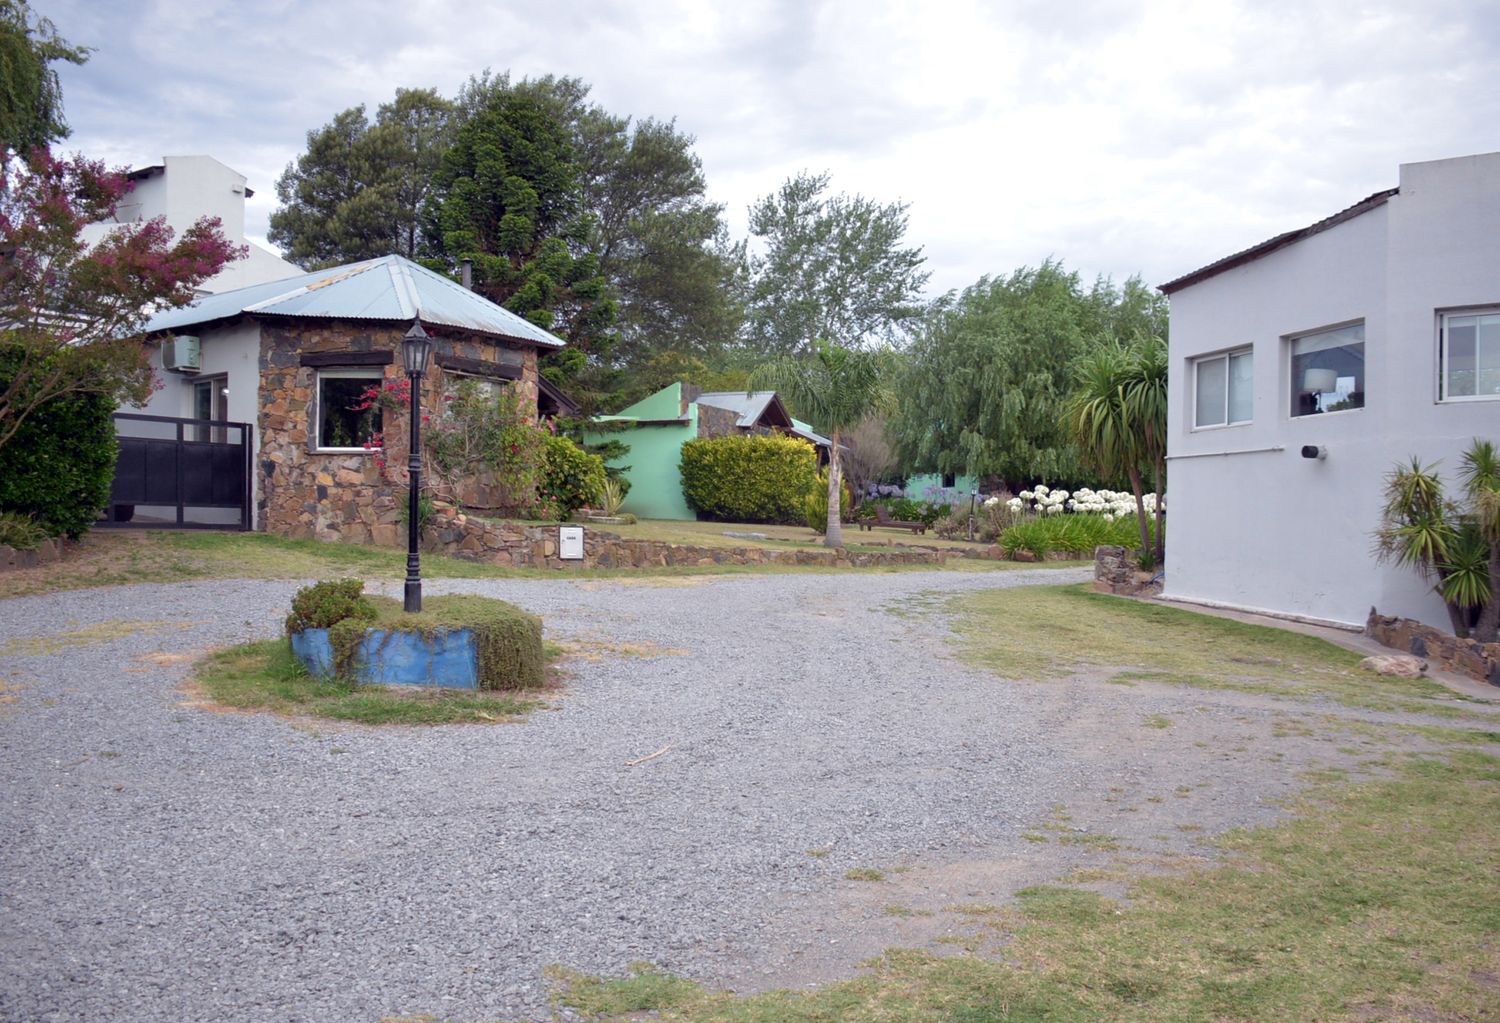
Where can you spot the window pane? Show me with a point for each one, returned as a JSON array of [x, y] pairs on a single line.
[[1209, 404], [342, 424], [1328, 371], [1462, 334], [1241, 388], [1487, 356]]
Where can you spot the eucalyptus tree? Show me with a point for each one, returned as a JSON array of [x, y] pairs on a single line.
[[836, 388], [31, 114]]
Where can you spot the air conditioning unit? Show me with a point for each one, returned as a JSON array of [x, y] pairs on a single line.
[[182, 354]]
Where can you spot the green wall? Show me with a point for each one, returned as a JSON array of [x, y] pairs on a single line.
[[915, 485], [654, 456]]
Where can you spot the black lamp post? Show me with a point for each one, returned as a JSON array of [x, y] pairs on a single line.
[[416, 348]]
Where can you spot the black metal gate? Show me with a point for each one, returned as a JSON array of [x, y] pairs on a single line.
[[180, 474]]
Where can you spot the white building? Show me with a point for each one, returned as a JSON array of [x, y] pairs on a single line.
[[182, 189], [1303, 369]]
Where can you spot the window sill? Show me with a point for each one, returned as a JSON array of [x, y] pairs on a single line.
[[1324, 415], [1220, 426], [343, 451], [1468, 399]]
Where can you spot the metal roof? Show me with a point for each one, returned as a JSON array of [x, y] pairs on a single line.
[[805, 431], [1281, 241], [749, 407], [391, 289]]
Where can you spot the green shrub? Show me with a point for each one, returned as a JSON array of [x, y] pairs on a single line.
[[743, 478], [1076, 534], [323, 605], [905, 509], [20, 532], [815, 505], [508, 641], [58, 466], [571, 477]]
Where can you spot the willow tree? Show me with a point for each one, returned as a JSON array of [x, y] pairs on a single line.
[[836, 388], [1117, 416]]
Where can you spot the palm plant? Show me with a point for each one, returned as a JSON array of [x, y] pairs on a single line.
[[1481, 479], [1117, 414], [1423, 530], [836, 388]]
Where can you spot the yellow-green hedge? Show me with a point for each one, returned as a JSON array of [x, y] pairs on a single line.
[[743, 478]]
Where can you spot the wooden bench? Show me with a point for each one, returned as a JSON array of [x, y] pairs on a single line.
[[883, 518]]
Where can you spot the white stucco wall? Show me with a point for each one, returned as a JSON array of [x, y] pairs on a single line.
[[191, 187], [1271, 530], [230, 352]]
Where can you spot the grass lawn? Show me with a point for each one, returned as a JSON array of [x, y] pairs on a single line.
[[107, 558], [711, 534], [267, 676], [1061, 631]]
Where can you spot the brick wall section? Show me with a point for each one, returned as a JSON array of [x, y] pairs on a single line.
[[522, 546], [1466, 656], [341, 496]]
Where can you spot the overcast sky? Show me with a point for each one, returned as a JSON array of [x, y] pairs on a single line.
[[1118, 137]]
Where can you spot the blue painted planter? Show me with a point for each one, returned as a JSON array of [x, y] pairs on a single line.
[[395, 658]]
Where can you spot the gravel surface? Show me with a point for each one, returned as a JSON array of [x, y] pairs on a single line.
[[162, 862]]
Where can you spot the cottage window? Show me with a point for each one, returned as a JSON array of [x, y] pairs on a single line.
[[487, 388], [1224, 389], [342, 424], [1471, 356], [1328, 370]]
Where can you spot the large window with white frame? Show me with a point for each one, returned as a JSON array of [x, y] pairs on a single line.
[[1224, 389], [1470, 356], [1328, 370], [346, 421]]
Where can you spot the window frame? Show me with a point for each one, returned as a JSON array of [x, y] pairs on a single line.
[[1444, 398], [1290, 341], [1226, 355], [315, 434]]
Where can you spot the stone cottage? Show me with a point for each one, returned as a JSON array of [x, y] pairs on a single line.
[[292, 357]]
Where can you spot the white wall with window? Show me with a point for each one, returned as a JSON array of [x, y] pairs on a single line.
[[1372, 339], [1224, 389]]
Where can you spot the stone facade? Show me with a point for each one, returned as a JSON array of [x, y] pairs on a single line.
[[718, 422], [524, 546], [1465, 656], [1117, 571], [344, 496]]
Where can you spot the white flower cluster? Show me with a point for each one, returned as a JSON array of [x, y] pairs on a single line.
[[1112, 504]]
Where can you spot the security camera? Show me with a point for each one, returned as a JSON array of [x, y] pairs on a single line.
[[1317, 451]]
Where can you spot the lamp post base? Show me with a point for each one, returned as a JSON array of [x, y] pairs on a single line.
[[413, 596]]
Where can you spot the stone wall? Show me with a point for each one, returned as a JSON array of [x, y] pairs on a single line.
[[46, 552], [524, 546], [1466, 656], [343, 496], [1117, 571], [717, 422]]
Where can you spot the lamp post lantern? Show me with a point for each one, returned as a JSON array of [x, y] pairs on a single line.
[[416, 349]]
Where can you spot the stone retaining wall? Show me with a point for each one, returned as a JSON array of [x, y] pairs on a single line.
[[518, 545], [1466, 656], [1117, 571], [46, 552]]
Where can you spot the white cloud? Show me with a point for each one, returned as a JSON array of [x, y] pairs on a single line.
[[1119, 137]]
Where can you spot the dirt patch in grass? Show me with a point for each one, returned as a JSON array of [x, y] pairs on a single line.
[[266, 676], [52, 643]]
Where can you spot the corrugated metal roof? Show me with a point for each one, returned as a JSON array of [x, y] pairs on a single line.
[[805, 431], [391, 289], [749, 407], [1281, 241]]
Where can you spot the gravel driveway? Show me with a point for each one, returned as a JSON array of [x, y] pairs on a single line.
[[162, 862]]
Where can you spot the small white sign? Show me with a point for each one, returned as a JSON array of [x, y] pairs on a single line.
[[570, 543]]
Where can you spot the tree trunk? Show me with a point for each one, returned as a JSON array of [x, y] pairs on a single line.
[[1487, 629], [1137, 488], [834, 533], [1161, 511]]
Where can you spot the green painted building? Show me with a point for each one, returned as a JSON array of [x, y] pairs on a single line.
[[656, 427]]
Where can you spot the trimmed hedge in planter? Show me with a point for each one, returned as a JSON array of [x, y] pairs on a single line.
[[743, 478], [456, 641]]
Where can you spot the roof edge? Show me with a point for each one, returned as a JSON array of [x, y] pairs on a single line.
[[1281, 241]]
